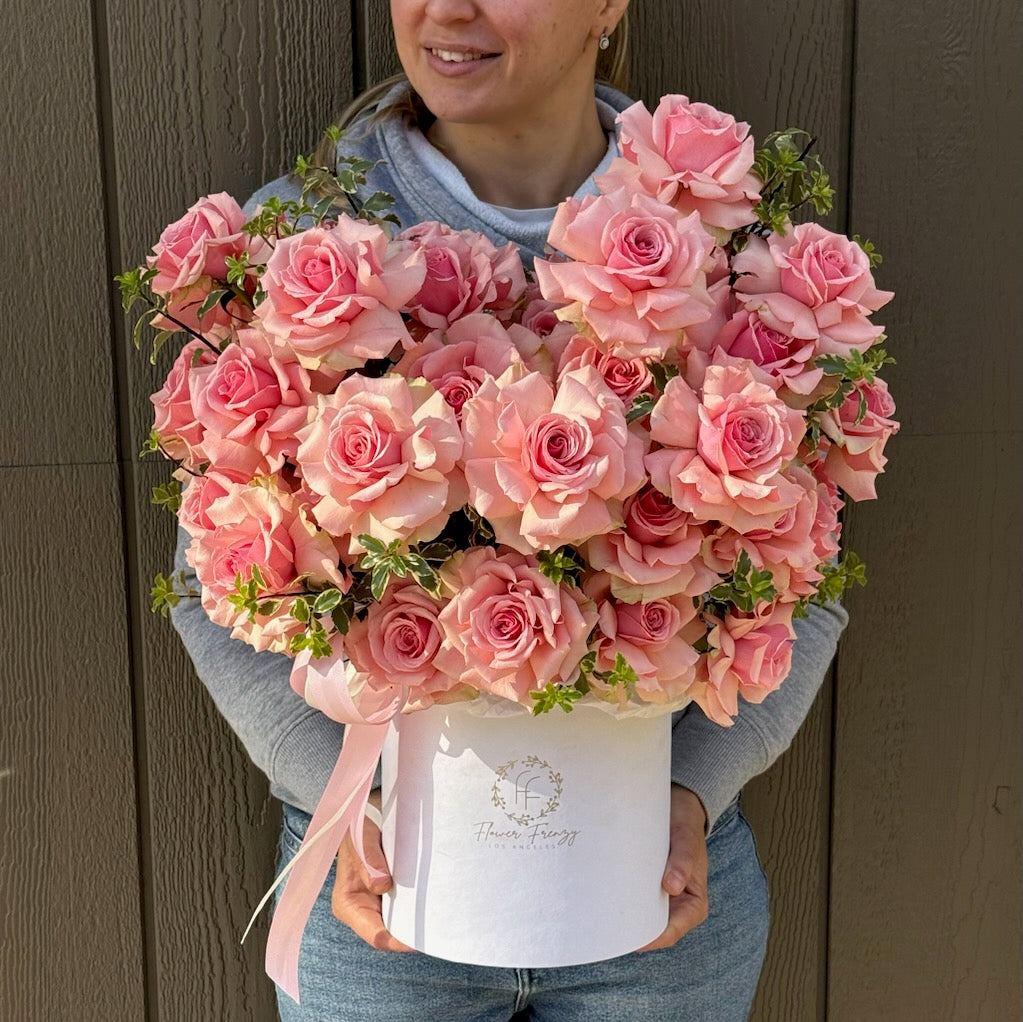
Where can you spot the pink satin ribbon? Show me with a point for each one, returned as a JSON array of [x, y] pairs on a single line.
[[341, 808]]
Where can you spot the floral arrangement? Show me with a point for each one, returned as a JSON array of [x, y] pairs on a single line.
[[428, 472], [616, 479]]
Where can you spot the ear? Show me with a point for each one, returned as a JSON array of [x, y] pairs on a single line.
[[611, 12]]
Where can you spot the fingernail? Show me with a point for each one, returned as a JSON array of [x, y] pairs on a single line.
[[674, 882]]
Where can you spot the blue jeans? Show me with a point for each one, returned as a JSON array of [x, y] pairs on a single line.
[[710, 975]]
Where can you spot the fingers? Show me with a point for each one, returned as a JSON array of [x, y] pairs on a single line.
[[685, 911], [360, 911], [374, 873], [685, 873], [355, 899]]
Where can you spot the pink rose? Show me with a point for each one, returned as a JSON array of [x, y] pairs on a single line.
[[509, 629], [175, 421], [465, 272], [655, 554], [191, 262], [789, 547], [250, 405], [381, 455], [724, 448], [200, 493], [540, 317], [197, 245], [548, 468], [333, 295], [812, 268], [398, 642], [694, 158], [704, 336], [256, 525], [626, 377], [856, 455], [654, 637], [750, 655], [768, 343], [637, 275], [455, 361]]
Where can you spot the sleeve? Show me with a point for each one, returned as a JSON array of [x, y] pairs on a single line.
[[295, 745], [714, 761]]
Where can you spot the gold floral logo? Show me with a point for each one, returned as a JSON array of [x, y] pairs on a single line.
[[527, 790]]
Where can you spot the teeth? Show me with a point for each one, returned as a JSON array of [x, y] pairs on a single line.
[[456, 55]]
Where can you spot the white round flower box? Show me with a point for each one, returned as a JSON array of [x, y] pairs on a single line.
[[526, 842]]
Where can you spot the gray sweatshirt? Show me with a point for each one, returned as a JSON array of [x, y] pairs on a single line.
[[297, 746]]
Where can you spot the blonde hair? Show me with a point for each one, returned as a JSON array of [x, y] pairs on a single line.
[[612, 69]]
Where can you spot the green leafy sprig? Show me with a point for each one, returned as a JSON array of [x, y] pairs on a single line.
[[622, 673], [166, 593], [792, 176], [873, 256], [551, 695], [345, 178], [561, 565], [168, 495], [745, 587], [859, 367], [135, 287], [849, 571], [380, 562]]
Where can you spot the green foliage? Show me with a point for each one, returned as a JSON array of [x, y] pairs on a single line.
[[315, 638], [218, 296], [662, 372], [381, 562], [237, 269], [642, 406], [875, 258], [561, 565], [553, 695], [849, 571], [744, 588], [480, 531], [168, 591], [152, 444], [621, 674], [792, 178], [168, 495], [858, 366], [248, 593], [134, 285], [348, 175]]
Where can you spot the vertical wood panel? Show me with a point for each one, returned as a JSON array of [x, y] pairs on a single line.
[[53, 242], [70, 925], [776, 66], [69, 846], [377, 41], [926, 887], [207, 96], [926, 883]]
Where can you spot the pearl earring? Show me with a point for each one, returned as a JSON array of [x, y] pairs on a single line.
[[604, 42]]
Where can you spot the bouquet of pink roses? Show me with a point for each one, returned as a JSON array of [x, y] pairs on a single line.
[[429, 473]]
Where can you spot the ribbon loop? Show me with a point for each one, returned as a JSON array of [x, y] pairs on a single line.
[[330, 686]]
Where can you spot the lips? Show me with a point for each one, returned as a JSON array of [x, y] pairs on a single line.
[[457, 61]]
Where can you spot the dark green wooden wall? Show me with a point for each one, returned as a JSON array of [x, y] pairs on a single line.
[[137, 837]]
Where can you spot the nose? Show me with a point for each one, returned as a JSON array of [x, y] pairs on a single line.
[[445, 11]]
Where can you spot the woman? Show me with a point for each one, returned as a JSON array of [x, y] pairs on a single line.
[[502, 121]]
